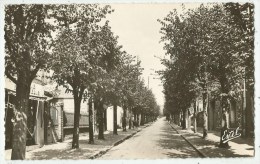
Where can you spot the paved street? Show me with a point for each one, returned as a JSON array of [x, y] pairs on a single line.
[[154, 142]]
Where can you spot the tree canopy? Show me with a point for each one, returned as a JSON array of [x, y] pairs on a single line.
[[208, 48]]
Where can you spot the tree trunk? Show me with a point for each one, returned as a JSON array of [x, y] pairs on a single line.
[[100, 120], [62, 113], [75, 140], [249, 114], [180, 119], [105, 119], [142, 119], [188, 120], [136, 119], [205, 119], [184, 126], [46, 121], [115, 118], [90, 116], [124, 119], [225, 88], [20, 114], [130, 120], [224, 122], [195, 117]]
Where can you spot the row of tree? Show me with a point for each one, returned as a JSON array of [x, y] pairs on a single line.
[[77, 44], [209, 50]]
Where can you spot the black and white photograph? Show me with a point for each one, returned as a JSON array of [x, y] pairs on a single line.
[[129, 81]]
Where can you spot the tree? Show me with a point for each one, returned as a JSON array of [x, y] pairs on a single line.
[[129, 91], [130, 72], [27, 44], [116, 93], [124, 85], [76, 51], [143, 103], [91, 119], [242, 18], [108, 63], [181, 67], [210, 51]]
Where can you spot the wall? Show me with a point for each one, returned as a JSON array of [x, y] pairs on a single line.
[[110, 117], [37, 96], [69, 106], [56, 116], [69, 112]]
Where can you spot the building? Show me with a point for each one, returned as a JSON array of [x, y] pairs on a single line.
[[110, 117], [62, 111], [238, 115], [35, 120], [51, 113]]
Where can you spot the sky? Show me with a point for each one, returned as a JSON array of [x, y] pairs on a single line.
[[138, 31]]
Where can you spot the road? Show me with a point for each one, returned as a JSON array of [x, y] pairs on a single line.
[[158, 141]]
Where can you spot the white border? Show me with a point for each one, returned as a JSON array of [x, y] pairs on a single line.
[[256, 159]]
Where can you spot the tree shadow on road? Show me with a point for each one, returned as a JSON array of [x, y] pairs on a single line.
[[177, 147], [174, 144], [73, 154], [211, 148], [84, 152]]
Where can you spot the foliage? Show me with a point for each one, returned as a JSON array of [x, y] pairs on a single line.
[[208, 50], [78, 48], [27, 44], [27, 39], [81, 45]]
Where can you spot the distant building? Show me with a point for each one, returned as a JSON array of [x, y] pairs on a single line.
[[110, 117]]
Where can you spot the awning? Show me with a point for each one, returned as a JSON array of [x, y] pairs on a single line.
[[32, 97]]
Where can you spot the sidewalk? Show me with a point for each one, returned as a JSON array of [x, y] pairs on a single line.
[[62, 150], [239, 147]]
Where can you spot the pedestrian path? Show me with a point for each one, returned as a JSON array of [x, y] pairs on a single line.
[[62, 150], [238, 147]]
